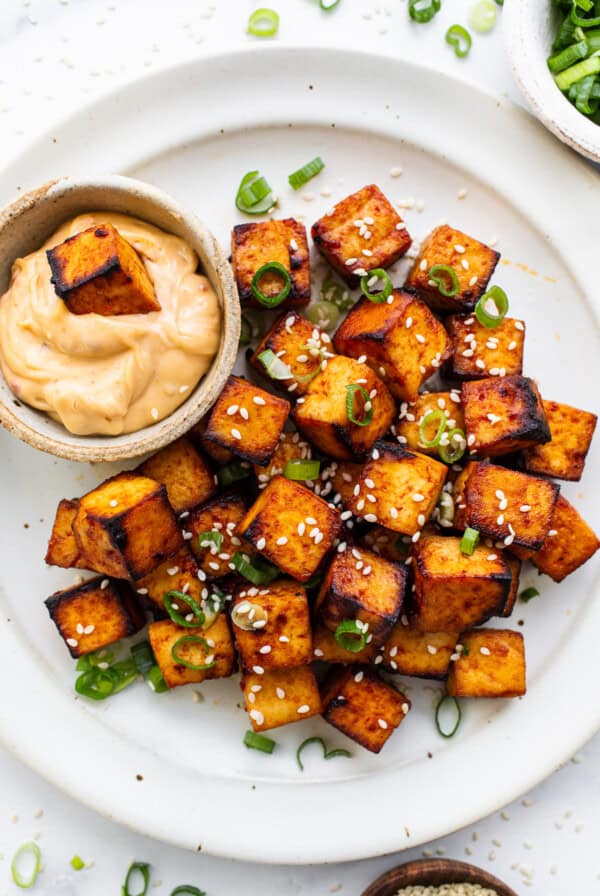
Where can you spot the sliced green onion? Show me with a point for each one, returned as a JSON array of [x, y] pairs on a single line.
[[77, 863], [233, 472], [569, 56], [585, 101], [325, 315], [96, 684], [314, 581], [187, 890], [581, 21], [302, 176], [125, 672], [328, 5], [256, 741], [492, 307], [245, 331], [156, 680], [431, 418], [352, 390], [423, 11], [26, 849], [258, 572], [170, 602], [483, 16], [274, 366], [445, 703], [528, 594], [250, 189], [350, 636], [263, 22], [141, 868], [192, 639], [332, 291], [469, 541], [460, 39], [271, 267], [302, 469], [100, 658], [327, 754], [570, 76], [444, 278], [452, 452], [142, 657], [210, 539], [370, 280]]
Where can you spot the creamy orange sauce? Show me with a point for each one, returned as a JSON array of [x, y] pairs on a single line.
[[109, 375]]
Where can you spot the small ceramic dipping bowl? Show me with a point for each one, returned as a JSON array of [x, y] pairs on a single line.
[[27, 223], [435, 873]]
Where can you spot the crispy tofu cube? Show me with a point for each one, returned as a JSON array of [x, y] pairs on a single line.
[[398, 488], [223, 516], [363, 706], [323, 415], [216, 645], [95, 614], [360, 585], [453, 591], [492, 665], [568, 545], [478, 351], [282, 637], [290, 447], [514, 564], [280, 696], [411, 417], [98, 272], [401, 340], [387, 544], [247, 421], [472, 262], [301, 345], [185, 474], [126, 526], [507, 505], [364, 220], [63, 550], [409, 651], [503, 414], [254, 245], [327, 650], [197, 434], [564, 456], [291, 527], [178, 573]]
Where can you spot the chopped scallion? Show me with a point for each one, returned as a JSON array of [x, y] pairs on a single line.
[[302, 176], [233, 472], [77, 863], [492, 307], [274, 366], [370, 280], [156, 680], [192, 641], [271, 301], [448, 706], [251, 198], [259, 572], [302, 470], [30, 855], [528, 594], [193, 618], [327, 754], [459, 39], [141, 869], [432, 418], [469, 541], [452, 451], [353, 390], [444, 278], [263, 22], [423, 11], [142, 657], [210, 539], [350, 635], [255, 741], [483, 16]]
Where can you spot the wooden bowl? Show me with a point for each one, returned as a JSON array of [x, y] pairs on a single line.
[[24, 227], [434, 873]]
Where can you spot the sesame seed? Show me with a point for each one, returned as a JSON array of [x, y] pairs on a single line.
[[244, 414], [408, 323], [265, 649], [257, 716], [72, 642], [493, 418], [370, 517], [470, 439], [525, 508], [232, 409], [382, 723], [418, 497], [459, 248], [480, 364], [421, 519], [423, 265], [491, 557], [303, 709], [280, 693], [552, 533], [284, 639], [500, 519], [154, 413], [350, 261], [420, 338], [415, 537], [485, 651], [465, 264], [258, 399], [519, 325], [261, 543], [258, 670], [503, 504], [113, 503], [431, 649], [462, 193], [282, 540], [236, 434]]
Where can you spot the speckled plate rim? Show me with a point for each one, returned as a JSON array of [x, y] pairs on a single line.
[[353, 817]]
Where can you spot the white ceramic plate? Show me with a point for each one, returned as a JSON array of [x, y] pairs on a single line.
[[195, 130]]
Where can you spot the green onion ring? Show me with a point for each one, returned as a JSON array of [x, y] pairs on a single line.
[[423, 11], [469, 541], [206, 539], [383, 294], [245, 331], [302, 176], [255, 206], [274, 366], [499, 299], [29, 848], [263, 22], [352, 390], [435, 416], [456, 447], [255, 741], [350, 636], [483, 16], [327, 754], [271, 267], [156, 680], [328, 5], [77, 863], [192, 639], [325, 315], [528, 594], [439, 708], [444, 278], [96, 684], [257, 572], [176, 616], [301, 470], [142, 868], [187, 890], [459, 39], [142, 657]]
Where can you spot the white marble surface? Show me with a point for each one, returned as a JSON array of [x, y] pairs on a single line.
[[54, 56]]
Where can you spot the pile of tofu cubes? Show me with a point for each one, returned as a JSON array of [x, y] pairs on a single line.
[[372, 536]]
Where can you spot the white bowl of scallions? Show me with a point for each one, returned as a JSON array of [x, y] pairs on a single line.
[[554, 49]]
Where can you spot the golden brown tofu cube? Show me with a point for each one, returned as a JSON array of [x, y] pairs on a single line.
[[454, 591], [364, 220], [280, 696], [507, 505], [323, 414], [247, 421], [300, 345], [221, 516], [564, 456], [126, 526], [327, 650], [197, 434], [290, 447], [398, 488], [63, 550], [503, 414], [362, 586], [409, 651], [400, 339], [178, 573], [472, 262], [363, 706], [95, 614], [183, 471], [271, 626], [98, 272], [291, 527], [569, 544], [254, 245], [411, 416], [478, 351], [203, 647], [514, 564], [492, 664]]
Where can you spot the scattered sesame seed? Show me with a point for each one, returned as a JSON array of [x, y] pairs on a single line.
[[396, 171], [382, 723], [525, 508], [260, 544], [113, 503], [281, 540], [258, 670], [462, 193], [417, 498], [72, 642], [485, 651], [154, 413], [303, 709]]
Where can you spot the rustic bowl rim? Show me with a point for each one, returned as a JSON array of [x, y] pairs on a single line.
[[56, 201], [434, 872]]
